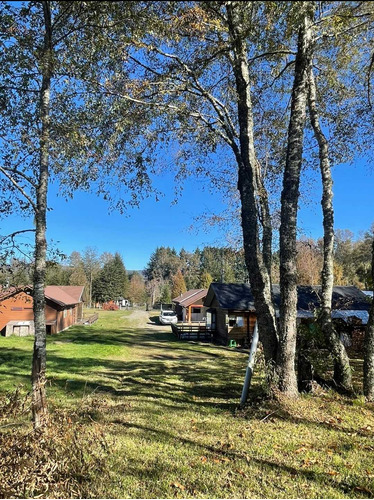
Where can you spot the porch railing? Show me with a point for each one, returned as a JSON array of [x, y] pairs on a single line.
[[190, 331]]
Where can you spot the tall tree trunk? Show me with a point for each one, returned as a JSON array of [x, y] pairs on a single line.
[[342, 372], [267, 230], [369, 346], [38, 377], [249, 191], [289, 206]]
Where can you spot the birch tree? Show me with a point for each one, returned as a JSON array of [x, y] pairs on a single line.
[[197, 68], [289, 205], [339, 29], [45, 129], [342, 372]]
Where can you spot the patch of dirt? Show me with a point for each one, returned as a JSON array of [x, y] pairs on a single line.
[[141, 318]]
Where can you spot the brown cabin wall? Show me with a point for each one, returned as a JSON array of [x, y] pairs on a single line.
[[9, 306], [65, 318], [242, 334], [220, 334], [224, 333], [19, 307], [50, 313]]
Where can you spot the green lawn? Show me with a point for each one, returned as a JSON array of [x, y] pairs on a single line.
[[168, 411]]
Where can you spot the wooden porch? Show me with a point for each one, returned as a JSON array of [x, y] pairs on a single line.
[[191, 331]]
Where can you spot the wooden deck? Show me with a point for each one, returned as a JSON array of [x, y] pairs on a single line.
[[192, 331]]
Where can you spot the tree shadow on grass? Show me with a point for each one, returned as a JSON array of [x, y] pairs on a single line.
[[177, 382], [147, 339], [265, 465], [190, 379], [171, 370]]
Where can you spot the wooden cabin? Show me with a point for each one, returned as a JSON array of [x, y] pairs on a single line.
[[190, 306], [63, 308], [231, 312]]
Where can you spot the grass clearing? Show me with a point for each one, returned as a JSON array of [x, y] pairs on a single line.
[[168, 411]]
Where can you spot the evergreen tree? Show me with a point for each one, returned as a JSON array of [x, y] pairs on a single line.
[[112, 281], [165, 295], [190, 267], [163, 264]]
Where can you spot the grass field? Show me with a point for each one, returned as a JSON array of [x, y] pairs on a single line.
[[168, 412]]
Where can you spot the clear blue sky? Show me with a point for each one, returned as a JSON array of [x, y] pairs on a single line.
[[85, 221]]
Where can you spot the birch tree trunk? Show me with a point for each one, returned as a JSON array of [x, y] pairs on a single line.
[[369, 346], [342, 371], [248, 188], [38, 377], [289, 206]]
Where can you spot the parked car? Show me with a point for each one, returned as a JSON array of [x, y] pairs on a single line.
[[168, 317]]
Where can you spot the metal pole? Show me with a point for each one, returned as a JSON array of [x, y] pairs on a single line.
[[250, 365]]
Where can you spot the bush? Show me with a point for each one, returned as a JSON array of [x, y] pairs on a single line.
[[110, 306]]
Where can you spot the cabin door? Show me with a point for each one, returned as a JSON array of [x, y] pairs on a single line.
[[21, 331]]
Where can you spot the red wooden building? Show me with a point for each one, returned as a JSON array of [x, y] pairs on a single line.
[[64, 307]]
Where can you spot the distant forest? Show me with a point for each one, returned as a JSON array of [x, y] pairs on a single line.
[[170, 273]]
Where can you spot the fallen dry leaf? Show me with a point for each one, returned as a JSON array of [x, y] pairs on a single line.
[[179, 486]]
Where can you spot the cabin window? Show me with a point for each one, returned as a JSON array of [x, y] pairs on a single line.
[[232, 320], [236, 321], [196, 310], [239, 321], [64, 313]]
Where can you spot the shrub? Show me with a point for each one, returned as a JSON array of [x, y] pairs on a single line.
[[110, 306]]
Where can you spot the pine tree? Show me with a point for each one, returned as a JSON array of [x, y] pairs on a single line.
[[112, 282]]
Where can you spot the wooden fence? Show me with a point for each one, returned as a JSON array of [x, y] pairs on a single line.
[[190, 331]]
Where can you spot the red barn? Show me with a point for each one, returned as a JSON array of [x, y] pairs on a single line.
[[63, 308]]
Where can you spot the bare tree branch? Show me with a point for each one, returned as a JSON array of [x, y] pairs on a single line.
[[21, 174], [19, 188]]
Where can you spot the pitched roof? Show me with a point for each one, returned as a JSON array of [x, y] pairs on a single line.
[[61, 295], [74, 291], [12, 290], [64, 295], [190, 297], [231, 296], [238, 296]]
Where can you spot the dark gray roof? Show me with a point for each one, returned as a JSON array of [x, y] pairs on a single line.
[[231, 296], [238, 296]]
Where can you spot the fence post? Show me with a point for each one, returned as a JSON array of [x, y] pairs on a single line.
[[251, 362]]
